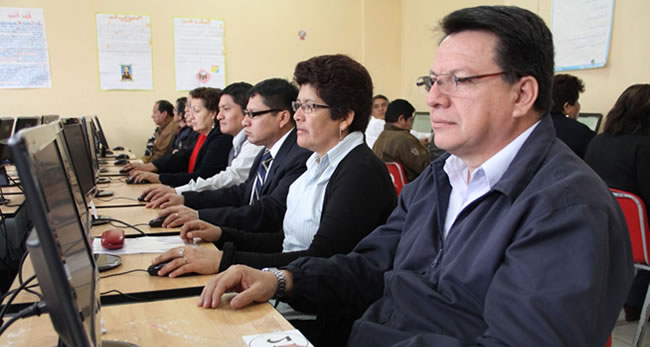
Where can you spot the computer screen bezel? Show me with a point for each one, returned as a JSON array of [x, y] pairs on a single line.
[[81, 160], [19, 120], [49, 118], [102, 137]]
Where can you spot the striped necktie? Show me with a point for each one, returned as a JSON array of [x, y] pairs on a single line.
[[262, 170]]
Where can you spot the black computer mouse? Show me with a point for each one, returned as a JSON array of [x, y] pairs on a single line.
[[123, 170], [154, 268], [122, 156], [141, 198], [131, 180], [157, 222], [121, 162], [118, 148]]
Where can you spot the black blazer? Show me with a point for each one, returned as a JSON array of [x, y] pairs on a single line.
[[623, 162], [573, 133], [359, 197], [230, 206], [212, 158]]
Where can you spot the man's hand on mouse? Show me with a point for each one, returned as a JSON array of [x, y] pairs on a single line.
[[166, 200], [201, 229], [156, 191], [139, 176], [201, 260], [178, 215]]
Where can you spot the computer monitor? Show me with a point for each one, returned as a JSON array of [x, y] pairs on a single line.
[[91, 143], [81, 160], [59, 247], [26, 122], [422, 122], [591, 120], [49, 119], [6, 126], [104, 150]]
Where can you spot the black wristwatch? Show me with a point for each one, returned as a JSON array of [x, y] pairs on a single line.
[[282, 282]]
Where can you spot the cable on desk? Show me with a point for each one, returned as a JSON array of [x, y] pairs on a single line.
[[20, 277], [123, 223], [14, 182], [34, 309], [123, 273], [122, 294], [13, 296]]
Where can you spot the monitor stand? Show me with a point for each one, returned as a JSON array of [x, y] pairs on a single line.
[[107, 261], [100, 220]]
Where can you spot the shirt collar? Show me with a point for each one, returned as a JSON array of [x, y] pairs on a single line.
[[238, 141], [334, 156], [495, 166], [276, 146]]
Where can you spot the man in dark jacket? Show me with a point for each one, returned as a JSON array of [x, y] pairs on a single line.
[[396, 144], [259, 203], [508, 240]]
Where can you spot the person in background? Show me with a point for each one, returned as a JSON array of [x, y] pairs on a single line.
[[564, 112], [397, 144], [185, 137], [508, 240], [621, 157], [376, 124], [259, 203], [209, 155], [163, 117], [231, 106]]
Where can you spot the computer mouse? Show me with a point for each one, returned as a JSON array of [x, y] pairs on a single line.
[[157, 222], [123, 170], [120, 162], [154, 268], [141, 198], [113, 239], [131, 180], [122, 156], [118, 148]]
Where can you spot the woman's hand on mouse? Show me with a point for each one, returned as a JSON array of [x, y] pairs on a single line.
[[201, 260], [201, 229]]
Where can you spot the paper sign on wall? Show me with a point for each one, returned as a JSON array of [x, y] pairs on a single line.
[[199, 53]]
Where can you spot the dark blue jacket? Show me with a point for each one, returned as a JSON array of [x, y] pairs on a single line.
[[230, 206], [542, 259]]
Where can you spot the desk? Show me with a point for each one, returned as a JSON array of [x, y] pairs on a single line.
[[110, 170], [11, 190], [123, 195], [139, 283], [15, 201], [176, 322], [132, 215]]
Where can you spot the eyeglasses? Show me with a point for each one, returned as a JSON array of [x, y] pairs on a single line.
[[253, 114], [306, 108], [448, 83]]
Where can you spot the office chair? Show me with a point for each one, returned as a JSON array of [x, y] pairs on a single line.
[[397, 174], [637, 225]]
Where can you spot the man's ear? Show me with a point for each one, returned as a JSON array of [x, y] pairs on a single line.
[[346, 121], [565, 107], [285, 118], [525, 94]]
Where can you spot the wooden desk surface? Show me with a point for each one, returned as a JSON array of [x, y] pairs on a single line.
[[133, 283], [123, 194], [15, 201], [11, 190], [177, 322], [111, 170], [133, 215]]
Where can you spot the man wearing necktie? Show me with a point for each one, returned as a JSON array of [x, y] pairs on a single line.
[[259, 203]]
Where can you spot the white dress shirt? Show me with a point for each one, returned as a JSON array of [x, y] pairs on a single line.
[[274, 153], [374, 128], [306, 194], [243, 155], [483, 179]]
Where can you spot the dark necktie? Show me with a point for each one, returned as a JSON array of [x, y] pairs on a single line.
[[262, 170]]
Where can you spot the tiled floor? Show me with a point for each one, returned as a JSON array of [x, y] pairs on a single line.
[[624, 333]]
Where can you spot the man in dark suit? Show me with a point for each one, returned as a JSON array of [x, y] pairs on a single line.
[[259, 203], [564, 112]]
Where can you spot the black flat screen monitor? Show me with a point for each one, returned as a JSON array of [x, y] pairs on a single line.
[[6, 127], [74, 139], [60, 249], [101, 137], [47, 119], [591, 120], [26, 122], [91, 143]]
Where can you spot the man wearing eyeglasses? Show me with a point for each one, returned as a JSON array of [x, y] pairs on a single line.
[[508, 240], [259, 203]]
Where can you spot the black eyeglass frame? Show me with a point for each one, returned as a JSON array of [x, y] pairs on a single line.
[[253, 114]]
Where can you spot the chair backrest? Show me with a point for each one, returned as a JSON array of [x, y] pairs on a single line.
[[637, 224], [396, 172]]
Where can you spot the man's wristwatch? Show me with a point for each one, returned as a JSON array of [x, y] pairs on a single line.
[[282, 282]]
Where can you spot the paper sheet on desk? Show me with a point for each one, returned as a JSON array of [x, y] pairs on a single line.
[[146, 244], [288, 338]]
